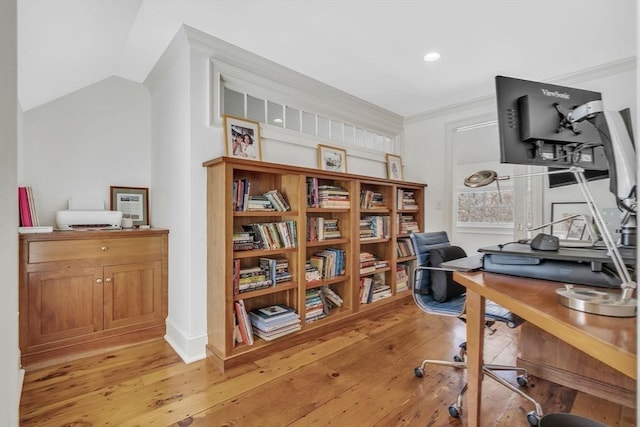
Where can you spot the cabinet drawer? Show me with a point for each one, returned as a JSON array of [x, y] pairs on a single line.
[[65, 250]]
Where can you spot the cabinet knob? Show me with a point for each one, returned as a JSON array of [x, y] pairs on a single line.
[[108, 280], [99, 281], [104, 248]]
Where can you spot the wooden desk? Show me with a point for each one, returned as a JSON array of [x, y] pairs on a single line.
[[607, 339]]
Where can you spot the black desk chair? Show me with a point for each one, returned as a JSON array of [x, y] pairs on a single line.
[[435, 292]]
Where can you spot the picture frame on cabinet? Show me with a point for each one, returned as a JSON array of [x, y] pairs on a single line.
[[133, 202], [394, 167], [332, 159], [242, 138]]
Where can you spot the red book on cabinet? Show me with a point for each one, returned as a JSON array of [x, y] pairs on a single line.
[[23, 204]]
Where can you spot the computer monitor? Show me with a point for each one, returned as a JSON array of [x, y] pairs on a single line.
[[533, 129]]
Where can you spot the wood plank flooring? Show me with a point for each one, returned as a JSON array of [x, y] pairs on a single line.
[[357, 376]]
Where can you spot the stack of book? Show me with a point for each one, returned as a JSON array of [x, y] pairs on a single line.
[[332, 196], [406, 200], [273, 235], [259, 204], [373, 288], [315, 305], [407, 224], [274, 321], [249, 278], [243, 241], [276, 269], [369, 263], [311, 272]]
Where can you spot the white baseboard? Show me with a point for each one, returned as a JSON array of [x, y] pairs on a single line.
[[189, 348]]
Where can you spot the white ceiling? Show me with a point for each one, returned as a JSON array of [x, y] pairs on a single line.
[[371, 49]]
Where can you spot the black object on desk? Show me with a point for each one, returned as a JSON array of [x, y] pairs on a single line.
[[582, 266]]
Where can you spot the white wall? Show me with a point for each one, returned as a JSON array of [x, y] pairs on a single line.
[[426, 137], [85, 142], [10, 375]]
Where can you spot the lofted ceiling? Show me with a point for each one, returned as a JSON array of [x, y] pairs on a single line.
[[372, 49]]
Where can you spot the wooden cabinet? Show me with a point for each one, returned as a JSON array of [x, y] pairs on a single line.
[[81, 292], [302, 189]]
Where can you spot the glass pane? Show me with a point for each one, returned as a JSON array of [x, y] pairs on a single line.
[[233, 103], [255, 109], [348, 134], [308, 123], [359, 137], [293, 118], [369, 140], [336, 130], [275, 114], [323, 126]]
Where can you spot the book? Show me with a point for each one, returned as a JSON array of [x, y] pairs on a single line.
[[274, 313], [244, 323], [23, 205]]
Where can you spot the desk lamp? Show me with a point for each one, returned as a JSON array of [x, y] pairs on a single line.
[[620, 153]]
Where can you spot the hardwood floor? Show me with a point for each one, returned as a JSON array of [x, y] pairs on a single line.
[[357, 376]]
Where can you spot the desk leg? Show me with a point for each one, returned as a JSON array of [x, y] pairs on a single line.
[[475, 346]]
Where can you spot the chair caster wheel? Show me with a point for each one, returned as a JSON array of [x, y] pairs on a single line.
[[418, 372], [457, 358], [533, 419], [523, 381], [455, 411]]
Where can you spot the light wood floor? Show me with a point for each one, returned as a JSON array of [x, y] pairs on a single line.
[[358, 376]]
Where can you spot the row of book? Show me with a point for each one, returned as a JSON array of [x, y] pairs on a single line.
[[328, 263], [374, 227], [371, 200], [270, 272], [319, 301], [267, 323], [373, 288], [404, 247], [244, 201], [270, 235], [27, 208], [320, 229]]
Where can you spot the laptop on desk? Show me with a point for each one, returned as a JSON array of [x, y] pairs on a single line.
[[469, 263]]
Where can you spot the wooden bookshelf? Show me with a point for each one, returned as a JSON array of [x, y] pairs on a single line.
[[340, 236]]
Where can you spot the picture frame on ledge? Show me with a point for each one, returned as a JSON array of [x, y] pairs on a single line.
[[332, 159], [242, 138], [394, 167], [133, 202]]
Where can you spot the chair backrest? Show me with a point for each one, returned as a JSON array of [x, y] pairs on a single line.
[[422, 244]]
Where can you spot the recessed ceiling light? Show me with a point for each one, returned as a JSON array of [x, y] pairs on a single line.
[[432, 56]]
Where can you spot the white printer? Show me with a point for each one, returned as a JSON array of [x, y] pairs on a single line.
[[87, 214]]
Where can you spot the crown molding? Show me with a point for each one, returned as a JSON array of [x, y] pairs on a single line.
[[604, 70]]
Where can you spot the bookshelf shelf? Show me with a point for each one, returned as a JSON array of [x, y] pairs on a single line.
[[321, 203]]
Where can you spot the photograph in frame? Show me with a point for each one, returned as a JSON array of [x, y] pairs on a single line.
[[133, 202], [573, 227], [332, 159], [394, 167], [242, 138]]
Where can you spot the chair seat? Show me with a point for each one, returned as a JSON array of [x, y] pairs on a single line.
[[455, 308]]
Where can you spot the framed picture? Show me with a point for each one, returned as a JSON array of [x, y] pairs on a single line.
[[133, 202], [577, 221], [394, 167], [332, 158], [242, 138]]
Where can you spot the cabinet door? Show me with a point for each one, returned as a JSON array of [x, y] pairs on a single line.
[[133, 294], [64, 304]]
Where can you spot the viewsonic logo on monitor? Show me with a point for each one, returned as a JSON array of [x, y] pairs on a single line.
[[556, 94]]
